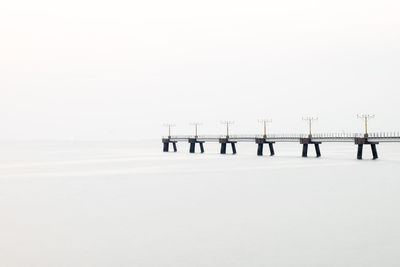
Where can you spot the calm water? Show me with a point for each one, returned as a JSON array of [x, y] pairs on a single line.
[[129, 204]]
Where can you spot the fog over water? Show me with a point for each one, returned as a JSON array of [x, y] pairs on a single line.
[[129, 204]]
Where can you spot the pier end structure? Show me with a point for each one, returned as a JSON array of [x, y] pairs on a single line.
[[308, 141], [360, 142], [260, 146]]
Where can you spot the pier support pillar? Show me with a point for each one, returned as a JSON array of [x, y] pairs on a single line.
[[360, 151], [193, 142], [364, 141], [317, 151], [260, 149], [308, 141], [233, 148], [192, 148], [224, 142], [166, 147], [271, 148], [305, 150], [166, 142], [374, 152], [260, 145], [223, 148]]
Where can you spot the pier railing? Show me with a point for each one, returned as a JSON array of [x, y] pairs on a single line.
[[382, 136]]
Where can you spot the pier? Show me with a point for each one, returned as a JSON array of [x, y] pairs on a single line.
[[373, 139], [305, 140]]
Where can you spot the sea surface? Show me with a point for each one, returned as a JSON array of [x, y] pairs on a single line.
[[125, 203]]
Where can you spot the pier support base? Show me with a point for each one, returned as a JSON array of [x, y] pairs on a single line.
[[166, 142], [233, 145], [360, 142], [374, 152], [271, 148], [224, 142], [166, 147], [360, 151], [192, 148], [193, 142], [260, 149], [317, 151], [305, 150], [223, 148], [260, 146], [201, 147], [307, 141]]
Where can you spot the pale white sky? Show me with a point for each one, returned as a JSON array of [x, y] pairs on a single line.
[[119, 69]]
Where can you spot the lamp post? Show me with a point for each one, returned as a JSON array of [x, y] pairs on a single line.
[[365, 117], [309, 120], [227, 123], [265, 121], [169, 125], [196, 125]]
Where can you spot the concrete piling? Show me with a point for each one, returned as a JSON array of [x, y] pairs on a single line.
[[308, 141], [317, 151], [364, 141], [271, 148], [224, 142], [260, 149], [305, 150], [193, 142], [166, 142], [260, 146]]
